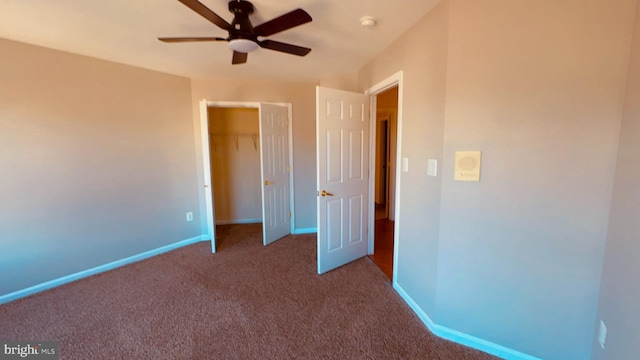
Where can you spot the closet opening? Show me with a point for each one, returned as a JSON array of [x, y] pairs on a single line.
[[234, 148], [247, 155]]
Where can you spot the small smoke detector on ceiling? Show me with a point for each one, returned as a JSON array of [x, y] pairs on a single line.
[[368, 22]]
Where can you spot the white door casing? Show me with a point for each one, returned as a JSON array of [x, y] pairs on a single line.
[[274, 160], [208, 184], [342, 131], [209, 215], [384, 85]]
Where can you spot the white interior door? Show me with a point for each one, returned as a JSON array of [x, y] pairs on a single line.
[[342, 130], [274, 158], [206, 163]]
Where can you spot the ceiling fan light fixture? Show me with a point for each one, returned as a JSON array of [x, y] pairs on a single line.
[[242, 45]]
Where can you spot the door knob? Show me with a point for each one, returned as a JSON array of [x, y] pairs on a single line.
[[325, 193], [267, 183]]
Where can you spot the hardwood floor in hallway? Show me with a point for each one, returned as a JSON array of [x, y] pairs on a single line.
[[383, 246]]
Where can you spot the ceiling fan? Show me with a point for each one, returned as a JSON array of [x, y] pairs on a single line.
[[243, 36]]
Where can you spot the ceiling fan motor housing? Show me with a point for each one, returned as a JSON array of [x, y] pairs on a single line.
[[243, 29]]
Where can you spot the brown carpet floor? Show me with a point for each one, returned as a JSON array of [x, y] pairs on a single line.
[[245, 302]]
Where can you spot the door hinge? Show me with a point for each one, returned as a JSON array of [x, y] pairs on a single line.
[[288, 168], [289, 213]]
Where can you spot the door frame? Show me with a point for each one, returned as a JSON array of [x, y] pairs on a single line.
[[384, 85], [205, 149]]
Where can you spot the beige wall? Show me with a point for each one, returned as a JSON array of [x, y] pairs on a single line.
[[234, 141], [543, 104], [302, 98], [347, 82], [619, 305], [536, 86], [96, 163], [424, 69]]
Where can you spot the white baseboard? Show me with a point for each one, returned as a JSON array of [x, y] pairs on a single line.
[[96, 270], [304, 231], [239, 221], [459, 337]]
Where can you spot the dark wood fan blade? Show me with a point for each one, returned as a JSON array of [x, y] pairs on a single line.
[[206, 13], [284, 47], [239, 58], [189, 39], [287, 21]]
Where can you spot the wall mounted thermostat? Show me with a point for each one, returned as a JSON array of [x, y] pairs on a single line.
[[467, 167]]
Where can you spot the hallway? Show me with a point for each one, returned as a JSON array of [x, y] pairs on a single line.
[[383, 247]]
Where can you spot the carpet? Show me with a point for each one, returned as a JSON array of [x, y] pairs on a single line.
[[247, 301]]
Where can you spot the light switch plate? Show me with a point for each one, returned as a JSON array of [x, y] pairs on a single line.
[[405, 164], [432, 167]]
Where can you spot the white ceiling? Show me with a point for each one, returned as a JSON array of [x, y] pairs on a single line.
[[126, 31]]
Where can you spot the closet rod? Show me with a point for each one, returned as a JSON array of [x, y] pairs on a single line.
[[234, 134], [254, 136]]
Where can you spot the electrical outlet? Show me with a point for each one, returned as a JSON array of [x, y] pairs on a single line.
[[189, 216], [602, 334]]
